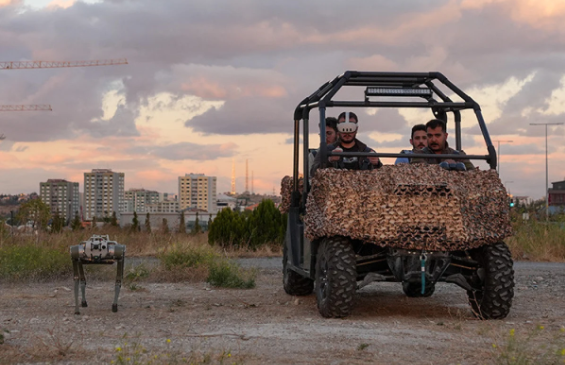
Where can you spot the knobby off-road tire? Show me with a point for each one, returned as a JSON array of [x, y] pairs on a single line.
[[294, 283], [495, 298], [414, 290], [336, 277]]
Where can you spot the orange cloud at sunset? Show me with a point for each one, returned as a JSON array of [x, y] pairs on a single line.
[[536, 13], [61, 4], [215, 90]]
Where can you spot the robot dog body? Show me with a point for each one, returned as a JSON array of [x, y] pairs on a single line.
[[98, 249]]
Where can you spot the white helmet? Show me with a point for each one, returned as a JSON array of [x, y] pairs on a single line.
[[347, 126]]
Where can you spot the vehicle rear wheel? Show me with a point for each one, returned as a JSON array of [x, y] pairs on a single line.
[[496, 274], [414, 290], [293, 282], [336, 277]]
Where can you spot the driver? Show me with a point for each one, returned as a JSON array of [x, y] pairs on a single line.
[[347, 142], [437, 145]]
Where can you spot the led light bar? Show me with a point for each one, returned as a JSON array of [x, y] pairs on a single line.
[[382, 91]]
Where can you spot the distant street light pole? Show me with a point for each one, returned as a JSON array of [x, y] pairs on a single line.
[[546, 169], [506, 184], [498, 155]]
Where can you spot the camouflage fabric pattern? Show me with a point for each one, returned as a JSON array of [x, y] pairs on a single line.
[[286, 190], [407, 206]]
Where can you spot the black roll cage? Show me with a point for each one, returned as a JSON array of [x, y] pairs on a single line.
[[322, 98]]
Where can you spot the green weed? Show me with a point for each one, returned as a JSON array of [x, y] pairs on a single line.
[[187, 257], [538, 346], [134, 353], [136, 273], [227, 274], [362, 346], [33, 262]]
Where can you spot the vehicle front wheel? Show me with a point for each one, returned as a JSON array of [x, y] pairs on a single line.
[[336, 277], [293, 282], [496, 275]]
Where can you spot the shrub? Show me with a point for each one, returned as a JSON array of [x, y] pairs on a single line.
[[264, 225], [135, 273], [227, 274], [187, 257]]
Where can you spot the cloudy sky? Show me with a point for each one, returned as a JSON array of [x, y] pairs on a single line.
[[210, 81]]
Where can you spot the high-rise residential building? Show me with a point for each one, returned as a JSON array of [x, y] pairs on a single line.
[[137, 200], [103, 193], [61, 196], [197, 191]]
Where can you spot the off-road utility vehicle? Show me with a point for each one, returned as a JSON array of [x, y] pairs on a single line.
[[416, 224]]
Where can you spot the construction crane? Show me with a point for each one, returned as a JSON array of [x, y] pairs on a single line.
[[25, 108], [20, 65]]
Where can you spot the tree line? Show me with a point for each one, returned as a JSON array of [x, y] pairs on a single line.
[[264, 225], [248, 229]]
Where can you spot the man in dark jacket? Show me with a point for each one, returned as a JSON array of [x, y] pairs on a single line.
[[347, 142], [437, 145]]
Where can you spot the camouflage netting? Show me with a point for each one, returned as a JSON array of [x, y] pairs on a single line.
[[286, 190], [407, 206]]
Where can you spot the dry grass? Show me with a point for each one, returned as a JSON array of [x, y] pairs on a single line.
[[533, 240], [139, 244], [537, 241]]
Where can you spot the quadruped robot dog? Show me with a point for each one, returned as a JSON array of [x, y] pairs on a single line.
[[98, 249]]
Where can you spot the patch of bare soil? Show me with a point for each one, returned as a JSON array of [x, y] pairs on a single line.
[[265, 325]]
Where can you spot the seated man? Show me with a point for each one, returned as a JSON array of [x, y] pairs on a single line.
[[437, 145], [331, 137], [418, 140], [347, 142]]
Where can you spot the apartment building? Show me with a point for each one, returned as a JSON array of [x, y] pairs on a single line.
[[137, 200], [556, 194], [61, 196], [103, 193], [163, 207], [197, 191]]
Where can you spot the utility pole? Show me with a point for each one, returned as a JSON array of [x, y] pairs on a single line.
[[546, 169], [498, 155], [233, 177]]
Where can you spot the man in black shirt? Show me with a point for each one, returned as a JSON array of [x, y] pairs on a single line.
[[347, 142]]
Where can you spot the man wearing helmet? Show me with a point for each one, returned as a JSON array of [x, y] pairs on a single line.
[[347, 142]]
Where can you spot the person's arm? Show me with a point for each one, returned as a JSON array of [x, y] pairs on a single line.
[[468, 164], [311, 159], [317, 163], [418, 159], [400, 160], [375, 161]]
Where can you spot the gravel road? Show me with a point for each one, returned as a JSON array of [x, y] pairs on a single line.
[[265, 325]]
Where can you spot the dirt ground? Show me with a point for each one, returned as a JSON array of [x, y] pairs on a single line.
[[265, 325]]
